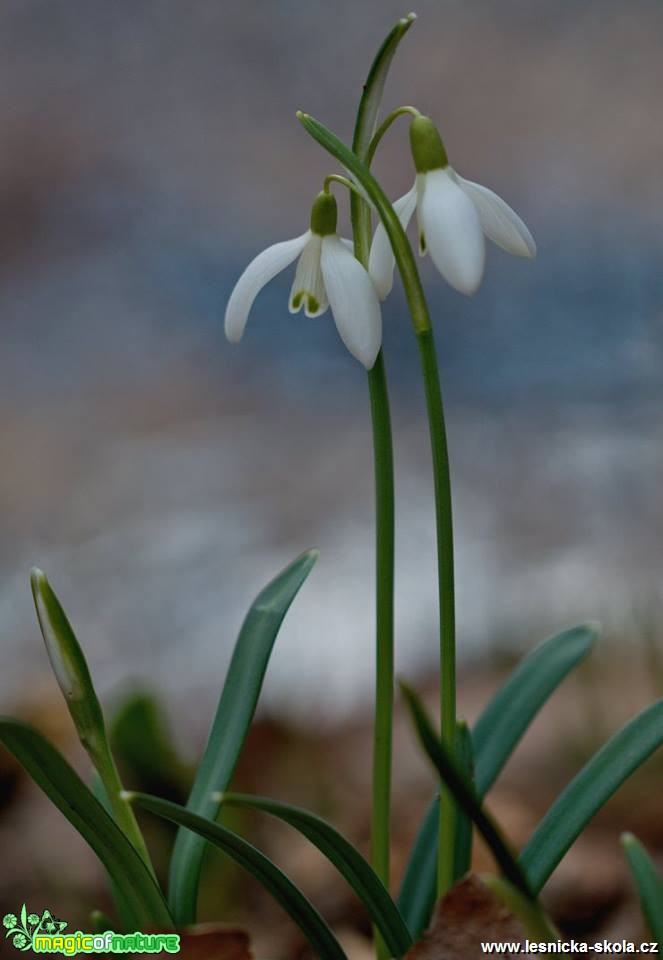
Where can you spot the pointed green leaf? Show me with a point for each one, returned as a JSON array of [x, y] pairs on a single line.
[[417, 895], [589, 790], [347, 860], [496, 733], [463, 793], [258, 865], [462, 821], [230, 727], [366, 124], [68, 793], [510, 712], [143, 744], [369, 105], [648, 882]]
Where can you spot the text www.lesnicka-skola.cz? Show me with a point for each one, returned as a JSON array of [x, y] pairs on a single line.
[[568, 946]]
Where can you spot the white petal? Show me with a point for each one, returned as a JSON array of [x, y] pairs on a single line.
[[308, 289], [259, 272], [499, 222], [353, 301], [381, 260], [421, 236], [453, 233]]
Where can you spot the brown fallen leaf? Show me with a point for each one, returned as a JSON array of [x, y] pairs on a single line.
[[467, 916]]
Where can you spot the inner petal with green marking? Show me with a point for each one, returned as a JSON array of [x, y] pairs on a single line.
[[308, 289]]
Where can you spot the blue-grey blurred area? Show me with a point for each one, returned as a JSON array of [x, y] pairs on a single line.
[[148, 150]]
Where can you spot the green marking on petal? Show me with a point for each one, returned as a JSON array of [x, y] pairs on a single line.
[[297, 300], [313, 304]]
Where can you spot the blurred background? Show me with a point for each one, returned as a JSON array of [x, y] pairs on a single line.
[[160, 477]]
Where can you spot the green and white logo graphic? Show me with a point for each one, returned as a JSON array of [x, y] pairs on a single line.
[[23, 929], [43, 934]]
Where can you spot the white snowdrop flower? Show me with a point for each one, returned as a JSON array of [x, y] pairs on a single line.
[[453, 216], [327, 275]]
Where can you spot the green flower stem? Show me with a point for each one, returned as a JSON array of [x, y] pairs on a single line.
[[104, 764], [384, 603], [444, 528], [421, 322], [337, 178], [365, 124], [384, 126]]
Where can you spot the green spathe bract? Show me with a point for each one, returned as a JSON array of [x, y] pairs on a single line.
[[365, 125], [231, 724], [68, 662], [73, 676]]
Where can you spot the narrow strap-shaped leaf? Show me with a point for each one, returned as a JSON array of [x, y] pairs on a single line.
[[464, 794], [648, 883], [588, 791], [347, 860], [510, 712], [258, 865], [496, 733], [231, 723], [416, 897], [69, 794], [463, 823]]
